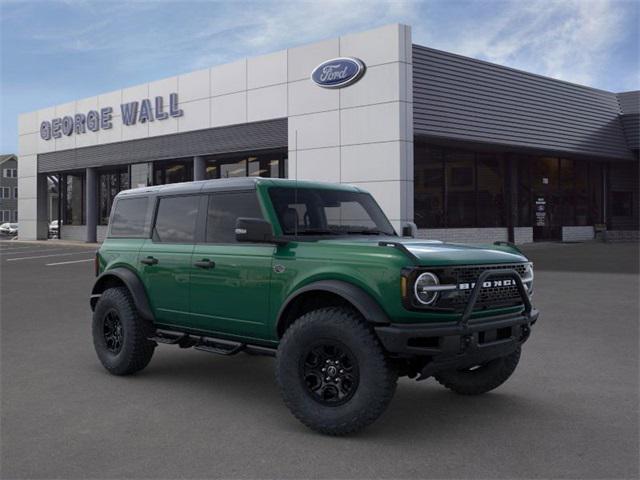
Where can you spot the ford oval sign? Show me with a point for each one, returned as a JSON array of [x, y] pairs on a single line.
[[338, 73]]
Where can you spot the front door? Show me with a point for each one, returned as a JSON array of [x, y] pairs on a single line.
[[230, 281], [165, 259], [547, 224]]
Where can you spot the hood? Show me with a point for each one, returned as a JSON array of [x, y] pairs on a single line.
[[437, 253], [434, 253]]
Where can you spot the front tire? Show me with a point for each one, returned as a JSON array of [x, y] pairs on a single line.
[[480, 379], [332, 372], [119, 334]]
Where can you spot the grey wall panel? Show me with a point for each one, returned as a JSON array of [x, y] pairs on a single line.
[[461, 98], [235, 138], [629, 101], [631, 126]]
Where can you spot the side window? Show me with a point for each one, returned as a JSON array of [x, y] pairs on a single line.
[[129, 218], [176, 219], [224, 210]]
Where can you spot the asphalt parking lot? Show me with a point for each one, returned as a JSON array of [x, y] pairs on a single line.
[[569, 411]]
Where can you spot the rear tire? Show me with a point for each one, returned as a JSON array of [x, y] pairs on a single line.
[[119, 334], [357, 382], [482, 379]]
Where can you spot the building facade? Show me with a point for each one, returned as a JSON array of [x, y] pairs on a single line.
[[468, 150], [9, 189]]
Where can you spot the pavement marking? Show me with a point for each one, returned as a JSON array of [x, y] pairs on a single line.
[[70, 261], [44, 256], [33, 250]]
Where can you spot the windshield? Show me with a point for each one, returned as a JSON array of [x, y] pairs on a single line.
[[316, 211]]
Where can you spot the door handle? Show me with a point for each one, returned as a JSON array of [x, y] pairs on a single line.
[[149, 261], [205, 263]]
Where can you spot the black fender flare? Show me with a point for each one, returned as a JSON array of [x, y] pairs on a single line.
[[132, 282], [356, 296]]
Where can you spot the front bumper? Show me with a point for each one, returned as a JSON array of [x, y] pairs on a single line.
[[466, 343], [451, 345]]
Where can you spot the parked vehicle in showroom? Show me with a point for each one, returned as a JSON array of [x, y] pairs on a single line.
[[9, 229], [314, 274]]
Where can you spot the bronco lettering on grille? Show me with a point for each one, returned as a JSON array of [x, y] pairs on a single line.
[[488, 284]]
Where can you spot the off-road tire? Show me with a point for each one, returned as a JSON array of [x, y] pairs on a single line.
[[376, 381], [481, 380], [136, 350]]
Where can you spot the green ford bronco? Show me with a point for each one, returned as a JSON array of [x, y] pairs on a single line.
[[315, 275]]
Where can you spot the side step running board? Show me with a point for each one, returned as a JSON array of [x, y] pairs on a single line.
[[219, 346]]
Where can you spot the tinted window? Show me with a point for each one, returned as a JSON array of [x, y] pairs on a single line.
[[224, 210], [176, 219], [310, 211], [129, 218]]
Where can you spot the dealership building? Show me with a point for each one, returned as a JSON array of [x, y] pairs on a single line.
[[468, 150]]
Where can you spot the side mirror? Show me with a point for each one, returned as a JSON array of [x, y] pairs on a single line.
[[410, 229], [254, 230]]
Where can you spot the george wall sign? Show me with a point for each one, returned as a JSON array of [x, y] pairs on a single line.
[[94, 120], [338, 72]]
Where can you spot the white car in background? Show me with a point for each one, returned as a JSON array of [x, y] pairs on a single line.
[[54, 229], [9, 229]]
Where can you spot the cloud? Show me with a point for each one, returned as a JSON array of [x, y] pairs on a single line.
[[569, 40]]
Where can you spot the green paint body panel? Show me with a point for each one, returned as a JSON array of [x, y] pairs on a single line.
[[242, 296]]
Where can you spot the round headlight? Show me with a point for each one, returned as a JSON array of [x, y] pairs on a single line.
[[423, 293]]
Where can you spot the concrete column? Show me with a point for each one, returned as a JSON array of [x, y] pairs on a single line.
[[91, 204], [42, 213], [199, 168]]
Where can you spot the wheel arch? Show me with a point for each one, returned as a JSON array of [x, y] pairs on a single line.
[[123, 277], [336, 292]]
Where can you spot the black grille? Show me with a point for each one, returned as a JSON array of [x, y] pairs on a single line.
[[490, 297]]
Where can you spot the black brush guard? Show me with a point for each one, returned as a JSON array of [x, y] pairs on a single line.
[[467, 342]]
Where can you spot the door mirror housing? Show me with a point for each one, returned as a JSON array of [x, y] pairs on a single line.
[[254, 230]]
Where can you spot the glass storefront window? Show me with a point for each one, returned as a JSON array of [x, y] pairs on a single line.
[[429, 187], [457, 189], [173, 171], [460, 188], [596, 193], [109, 185], [73, 191], [581, 172], [491, 198], [623, 198], [233, 168], [269, 164], [567, 191], [523, 189]]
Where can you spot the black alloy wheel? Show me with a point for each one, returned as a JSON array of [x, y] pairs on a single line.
[[113, 332], [330, 373]]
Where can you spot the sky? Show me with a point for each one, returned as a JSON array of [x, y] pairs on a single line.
[[55, 51]]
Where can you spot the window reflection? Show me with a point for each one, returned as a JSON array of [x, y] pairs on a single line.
[[269, 164], [461, 188], [73, 187], [173, 171], [109, 185]]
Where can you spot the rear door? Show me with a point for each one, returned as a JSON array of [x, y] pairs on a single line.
[[165, 258], [230, 281]]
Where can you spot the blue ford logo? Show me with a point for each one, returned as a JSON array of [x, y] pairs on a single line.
[[338, 73]]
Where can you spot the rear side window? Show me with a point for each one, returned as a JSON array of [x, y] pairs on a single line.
[[176, 219], [129, 218], [224, 210]]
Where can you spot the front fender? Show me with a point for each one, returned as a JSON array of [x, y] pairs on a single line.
[[131, 281], [361, 300]]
